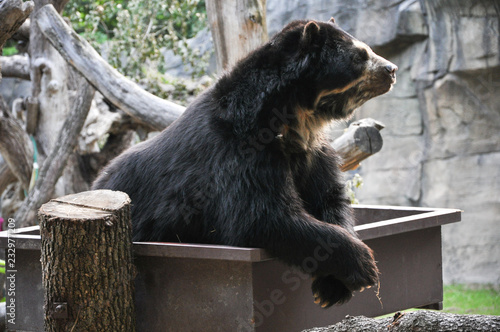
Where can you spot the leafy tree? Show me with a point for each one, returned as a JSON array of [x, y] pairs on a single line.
[[131, 33]]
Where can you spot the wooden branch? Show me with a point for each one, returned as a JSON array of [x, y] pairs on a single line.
[[12, 15], [32, 106], [422, 320], [87, 269], [23, 33], [55, 162], [147, 109], [238, 27], [15, 146], [15, 66], [18, 109], [6, 175], [361, 140], [40, 52]]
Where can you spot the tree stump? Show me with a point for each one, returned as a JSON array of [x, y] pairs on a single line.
[[87, 270]]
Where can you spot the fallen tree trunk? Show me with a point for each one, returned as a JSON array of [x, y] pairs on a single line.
[[422, 320], [151, 111]]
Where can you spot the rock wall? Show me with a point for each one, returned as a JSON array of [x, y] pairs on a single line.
[[442, 136]]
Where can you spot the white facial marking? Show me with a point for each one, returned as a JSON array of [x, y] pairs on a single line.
[[372, 57]]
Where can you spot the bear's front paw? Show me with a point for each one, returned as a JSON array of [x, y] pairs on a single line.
[[363, 272], [328, 290]]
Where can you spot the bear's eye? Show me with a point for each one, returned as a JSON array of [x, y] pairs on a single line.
[[363, 54]]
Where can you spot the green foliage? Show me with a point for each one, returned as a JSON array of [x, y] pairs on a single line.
[[2, 271], [9, 51], [463, 299], [351, 185], [178, 90], [96, 19], [131, 33], [469, 300], [9, 48]]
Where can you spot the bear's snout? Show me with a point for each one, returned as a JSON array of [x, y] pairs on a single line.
[[386, 70], [391, 68], [386, 67]]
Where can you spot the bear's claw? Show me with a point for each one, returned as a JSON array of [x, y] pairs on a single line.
[[328, 291]]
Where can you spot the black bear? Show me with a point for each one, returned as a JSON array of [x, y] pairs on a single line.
[[246, 164]]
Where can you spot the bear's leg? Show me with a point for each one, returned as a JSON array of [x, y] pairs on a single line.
[[340, 262], [322, 188], [323, 192]]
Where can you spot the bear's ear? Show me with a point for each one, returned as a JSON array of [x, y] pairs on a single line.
[[332, 20], [312, 35]]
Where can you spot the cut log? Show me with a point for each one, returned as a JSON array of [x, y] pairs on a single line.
[[15, 66], [361, 140], [238, 27], [423, 320], [152, 112], [87, 270]]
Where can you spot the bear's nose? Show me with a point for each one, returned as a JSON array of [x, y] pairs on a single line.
[[391, 68]]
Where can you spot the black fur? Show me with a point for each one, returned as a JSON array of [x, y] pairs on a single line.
[[245, 165]]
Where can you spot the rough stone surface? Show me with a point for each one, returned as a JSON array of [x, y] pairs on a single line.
[[441, 141]]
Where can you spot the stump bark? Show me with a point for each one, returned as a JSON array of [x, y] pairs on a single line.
[[87, 270]]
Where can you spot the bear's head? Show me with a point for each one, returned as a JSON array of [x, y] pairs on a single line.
[[340, 71], [308, 74]]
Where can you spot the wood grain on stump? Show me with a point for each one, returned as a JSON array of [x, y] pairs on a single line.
[[88, 276]]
